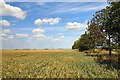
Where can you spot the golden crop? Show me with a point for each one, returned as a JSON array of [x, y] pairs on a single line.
[[52, 64]]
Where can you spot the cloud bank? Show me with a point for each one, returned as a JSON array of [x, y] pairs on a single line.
[[38, 31], [50, 21], [22, 35], [75, 26], [4, 23], [8, 10]]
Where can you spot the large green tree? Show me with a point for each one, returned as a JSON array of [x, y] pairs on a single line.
[[97, 36], [76, 45], [108, 20], [83, 43], [103, 29]]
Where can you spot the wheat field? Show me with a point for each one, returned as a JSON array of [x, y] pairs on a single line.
[[52, 64]]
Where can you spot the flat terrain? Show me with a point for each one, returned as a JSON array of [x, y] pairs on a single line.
[[52, 64]]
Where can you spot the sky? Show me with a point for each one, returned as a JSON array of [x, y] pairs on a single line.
[[40, 25]]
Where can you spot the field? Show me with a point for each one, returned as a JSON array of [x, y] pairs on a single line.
[[52, 64]]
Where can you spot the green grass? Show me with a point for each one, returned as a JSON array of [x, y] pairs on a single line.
[[52, 64]]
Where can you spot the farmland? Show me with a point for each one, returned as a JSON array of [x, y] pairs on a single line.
[[52, 64]]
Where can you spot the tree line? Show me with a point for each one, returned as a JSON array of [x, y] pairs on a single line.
[[103, 30]]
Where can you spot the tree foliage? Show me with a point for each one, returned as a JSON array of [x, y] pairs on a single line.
[[103, 29]]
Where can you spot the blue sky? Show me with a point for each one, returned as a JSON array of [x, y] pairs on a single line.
[[39, 25]]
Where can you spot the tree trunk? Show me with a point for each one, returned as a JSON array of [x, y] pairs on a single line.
[[110, 50]]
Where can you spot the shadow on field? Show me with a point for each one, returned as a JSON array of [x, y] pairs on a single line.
[[110, 62]]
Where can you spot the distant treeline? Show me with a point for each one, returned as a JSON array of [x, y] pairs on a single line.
[[24, 49], [103, 30], [40, 49]]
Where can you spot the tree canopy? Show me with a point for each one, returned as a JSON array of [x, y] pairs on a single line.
[[103, 30]]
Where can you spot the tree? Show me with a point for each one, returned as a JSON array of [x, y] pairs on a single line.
[[115, 22], [76, 45], [103, 29], [108, 20], [83, 43], [97, 36]]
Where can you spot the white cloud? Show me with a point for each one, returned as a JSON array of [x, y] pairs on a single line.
[[86, 22], [53, 21], [3, 35], [8, 10], [75, 26], [41, 37], [38, 31], [62, 36], [22, 35], [6, 36], [50, 21], [38, 22], [4, 23], [10, 36], [38, 34], [6, 31]]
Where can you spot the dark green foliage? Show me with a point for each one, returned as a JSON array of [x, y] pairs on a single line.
[[108, 20], [84, 43], [97, 36], [83, 47], [103, 30], [76, 45]]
